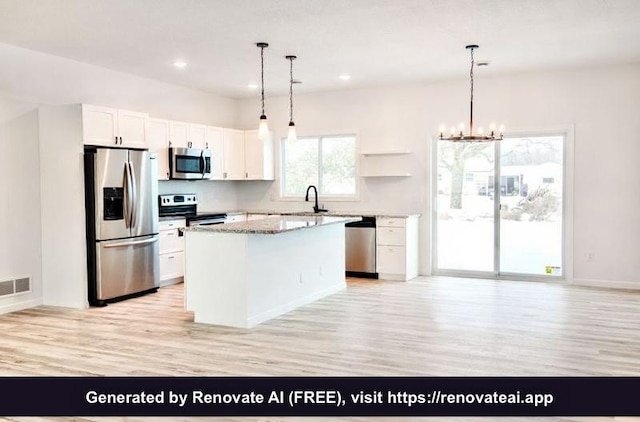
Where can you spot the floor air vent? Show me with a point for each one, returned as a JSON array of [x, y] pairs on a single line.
[[13, 287]]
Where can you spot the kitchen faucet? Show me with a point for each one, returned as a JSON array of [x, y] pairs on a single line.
[[316, 208]]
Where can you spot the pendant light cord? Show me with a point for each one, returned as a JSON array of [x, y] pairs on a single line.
[[262, 77], [290, 89], [471, 105]]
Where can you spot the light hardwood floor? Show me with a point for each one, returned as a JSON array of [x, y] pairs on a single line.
[[430, 326]]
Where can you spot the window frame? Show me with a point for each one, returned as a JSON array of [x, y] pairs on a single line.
[[334, 198]]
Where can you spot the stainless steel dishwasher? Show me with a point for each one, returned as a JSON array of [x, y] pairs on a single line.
[[360, 248]]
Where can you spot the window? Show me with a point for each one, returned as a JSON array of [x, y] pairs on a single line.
[[328, 162]]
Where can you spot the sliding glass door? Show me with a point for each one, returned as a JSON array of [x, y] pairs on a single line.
[[505, 219]]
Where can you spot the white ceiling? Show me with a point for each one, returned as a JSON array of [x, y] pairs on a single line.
[[376, 41]]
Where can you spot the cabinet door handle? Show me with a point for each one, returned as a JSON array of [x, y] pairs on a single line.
[[246, 175], [121, 140], [171, 257], [116, 140]]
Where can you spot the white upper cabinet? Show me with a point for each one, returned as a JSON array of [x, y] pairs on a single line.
[[258, 159], [178, 134], [158, 141], [185, 135], [213, 140], [233, 146], [131, 128], [196, 135], [107, 126], [100, 125]]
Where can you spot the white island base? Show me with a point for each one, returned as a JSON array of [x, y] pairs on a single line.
[[240, 279]]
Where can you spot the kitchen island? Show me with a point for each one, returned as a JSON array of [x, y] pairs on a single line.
[[242, 274]]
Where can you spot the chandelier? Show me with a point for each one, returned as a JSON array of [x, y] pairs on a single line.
[[457, 134]]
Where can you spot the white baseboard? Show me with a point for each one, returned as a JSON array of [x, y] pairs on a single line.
[[18, 306], [606, 284]]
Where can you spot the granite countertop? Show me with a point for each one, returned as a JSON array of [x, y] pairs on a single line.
[[274, 225], [335, 213]]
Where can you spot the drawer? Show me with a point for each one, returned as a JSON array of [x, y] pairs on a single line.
[[235, 218], [391, 259], [171, 265], [391, 222], [171, 241], [390, 236], [172, 224]]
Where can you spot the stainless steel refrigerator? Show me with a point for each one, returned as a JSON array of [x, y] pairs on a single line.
[[121, 191]]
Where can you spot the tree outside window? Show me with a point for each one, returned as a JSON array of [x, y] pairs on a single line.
[[328, 162]]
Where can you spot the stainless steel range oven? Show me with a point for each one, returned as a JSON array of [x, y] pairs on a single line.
[[186, 205]]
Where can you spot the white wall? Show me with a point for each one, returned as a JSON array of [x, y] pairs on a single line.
[[212, 195], [20, 204], [63, 219], [600, 103]]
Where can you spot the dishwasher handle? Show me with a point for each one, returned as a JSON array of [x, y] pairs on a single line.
[[364, 223]]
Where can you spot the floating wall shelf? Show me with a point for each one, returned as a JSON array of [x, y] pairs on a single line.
[[369, 153], [389, 163], [388, 175]]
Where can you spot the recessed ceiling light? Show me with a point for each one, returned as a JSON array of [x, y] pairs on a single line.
[[180, 64], [345, 77], [252, 85]]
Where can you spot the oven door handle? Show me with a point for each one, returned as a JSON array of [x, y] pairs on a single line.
[[207, 223]]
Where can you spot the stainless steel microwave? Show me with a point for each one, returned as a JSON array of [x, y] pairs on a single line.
[[189, 163]]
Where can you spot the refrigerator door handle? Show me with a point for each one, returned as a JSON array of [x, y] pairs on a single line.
[[127, 195], [131, 243], [134, 196]]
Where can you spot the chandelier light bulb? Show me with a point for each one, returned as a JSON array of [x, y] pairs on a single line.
[[442, 129], [480, 131], [453, 130], [492, 127], [501, 129]]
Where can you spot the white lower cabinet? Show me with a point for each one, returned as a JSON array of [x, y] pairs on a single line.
[[397, 247], [172, 251]]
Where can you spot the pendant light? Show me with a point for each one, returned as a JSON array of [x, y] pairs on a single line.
[[263, 128], [292, 126], [458, 134]]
